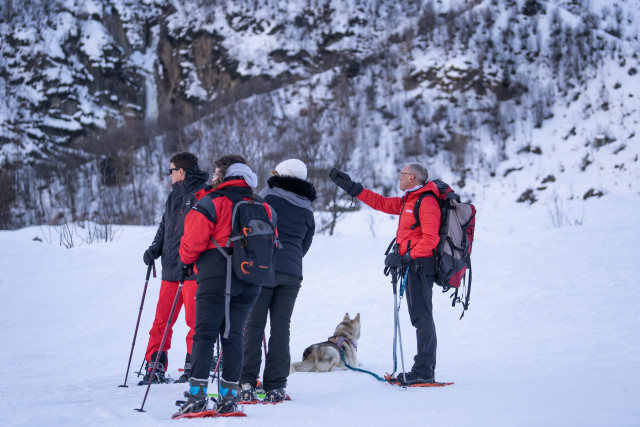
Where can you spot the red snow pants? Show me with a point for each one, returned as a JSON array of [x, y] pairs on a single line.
[[163, 309]]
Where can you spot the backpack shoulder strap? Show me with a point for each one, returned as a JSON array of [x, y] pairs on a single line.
[[416, 207], [205, 206]]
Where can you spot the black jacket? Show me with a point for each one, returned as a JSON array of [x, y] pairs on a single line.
[[171, 228], [291, 199]]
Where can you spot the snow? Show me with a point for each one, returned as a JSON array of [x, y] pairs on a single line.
[[70, 125], [146, 63], [550, 337], [94, 40]]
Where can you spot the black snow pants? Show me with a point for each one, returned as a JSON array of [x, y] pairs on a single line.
[[419, 301], [278, 302], [210, 323]]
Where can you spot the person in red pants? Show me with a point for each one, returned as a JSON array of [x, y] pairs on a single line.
[[186, 179]]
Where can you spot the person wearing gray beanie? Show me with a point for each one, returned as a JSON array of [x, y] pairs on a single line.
[[224, 300]]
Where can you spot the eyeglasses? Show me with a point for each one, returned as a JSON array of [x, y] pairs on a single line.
[[173, 169], [403, 173]]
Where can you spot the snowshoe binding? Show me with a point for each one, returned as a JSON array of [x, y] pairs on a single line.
[[196, 402], [276, 395], [187, 370], [159, 374], [248, 393]]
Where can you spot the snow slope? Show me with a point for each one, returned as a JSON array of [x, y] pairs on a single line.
[[551, 337]]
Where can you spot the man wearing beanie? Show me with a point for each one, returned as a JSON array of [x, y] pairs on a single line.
[[186, 179], [223, 301], [290, 195]]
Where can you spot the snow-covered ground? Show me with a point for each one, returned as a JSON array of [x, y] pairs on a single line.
[[551, 337]]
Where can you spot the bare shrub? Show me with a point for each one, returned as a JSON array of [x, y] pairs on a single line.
[[561, 215]]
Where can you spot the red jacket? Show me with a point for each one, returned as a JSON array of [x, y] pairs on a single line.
[[422, 240], [209, 218]]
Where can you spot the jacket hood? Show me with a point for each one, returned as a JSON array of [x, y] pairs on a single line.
[[297, 186], [194, 179]]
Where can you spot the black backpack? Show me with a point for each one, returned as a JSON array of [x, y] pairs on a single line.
[[253, 239], [453, 253], [250, 250]]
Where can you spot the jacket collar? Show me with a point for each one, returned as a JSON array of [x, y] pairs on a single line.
[[226, 184], [419, 189]]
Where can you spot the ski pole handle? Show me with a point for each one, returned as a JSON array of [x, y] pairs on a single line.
[[394, 280]]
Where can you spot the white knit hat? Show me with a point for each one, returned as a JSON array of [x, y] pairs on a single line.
[[292, 167]]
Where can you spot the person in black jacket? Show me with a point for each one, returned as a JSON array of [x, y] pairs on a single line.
[[290, 195], [186, 179]]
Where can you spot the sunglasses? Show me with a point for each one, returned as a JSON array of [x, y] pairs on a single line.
[[173, 169]]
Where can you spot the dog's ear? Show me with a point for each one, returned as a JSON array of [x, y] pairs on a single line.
[[346, 317], [357, 317]]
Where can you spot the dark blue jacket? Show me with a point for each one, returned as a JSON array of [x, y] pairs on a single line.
[[171, 228], [291, 199]]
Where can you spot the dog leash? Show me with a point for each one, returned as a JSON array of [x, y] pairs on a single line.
[[357, 369]]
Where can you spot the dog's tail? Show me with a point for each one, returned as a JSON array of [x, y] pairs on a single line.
[[306, 365], [303, 366]]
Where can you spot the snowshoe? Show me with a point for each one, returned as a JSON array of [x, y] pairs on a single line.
[[159, 375], [196, 399], [248, 393], [276, 395], [394, 381], [409, 378]]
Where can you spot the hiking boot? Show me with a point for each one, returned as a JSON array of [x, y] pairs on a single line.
[[158, 376], [410, 378], [228, 398], [197, 399], [187, 370], [276, 395], [247, 393]]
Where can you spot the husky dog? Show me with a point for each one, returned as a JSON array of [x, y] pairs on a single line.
[[325, 356]]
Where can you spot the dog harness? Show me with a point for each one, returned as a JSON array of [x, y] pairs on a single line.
[[339, 341]]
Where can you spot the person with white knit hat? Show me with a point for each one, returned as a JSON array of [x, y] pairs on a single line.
[[290, 195], [292, 167]]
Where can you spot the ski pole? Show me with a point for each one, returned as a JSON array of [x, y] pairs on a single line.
[[164, 337], [264, 346], [135, 334], [217, 370], [394, 281], [141, 366]]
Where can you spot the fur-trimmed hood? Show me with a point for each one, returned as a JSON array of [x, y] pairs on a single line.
[[297, 186]]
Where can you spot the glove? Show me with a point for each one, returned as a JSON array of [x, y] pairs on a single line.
[[152, 253], [395, 260], [343, 180], [187, 269]]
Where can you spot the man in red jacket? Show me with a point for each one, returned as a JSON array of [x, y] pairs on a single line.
[[414, 250]]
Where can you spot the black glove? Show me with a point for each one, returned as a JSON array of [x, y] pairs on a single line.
[[152, 253], [187, 269], [343, 180], [394, 260]]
